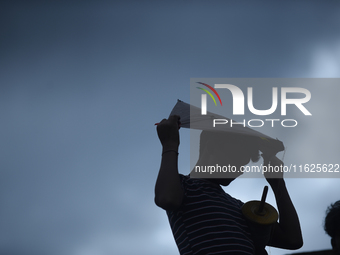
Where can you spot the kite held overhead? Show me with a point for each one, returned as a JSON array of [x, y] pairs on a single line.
[[191, 117]]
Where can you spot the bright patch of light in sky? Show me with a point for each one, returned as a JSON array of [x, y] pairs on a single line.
[[325, 60]]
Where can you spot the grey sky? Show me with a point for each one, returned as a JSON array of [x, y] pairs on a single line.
[[82, 84]]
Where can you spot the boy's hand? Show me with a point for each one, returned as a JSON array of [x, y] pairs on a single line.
[[274, 173], [168, 134]]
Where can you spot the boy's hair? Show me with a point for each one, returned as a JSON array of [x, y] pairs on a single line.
[[332, 220], [250, 144]]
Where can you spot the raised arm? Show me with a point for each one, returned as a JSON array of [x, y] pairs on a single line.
[[287, 232], [168, 190]]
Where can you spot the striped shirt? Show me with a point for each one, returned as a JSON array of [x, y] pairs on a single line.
[[209, 221]]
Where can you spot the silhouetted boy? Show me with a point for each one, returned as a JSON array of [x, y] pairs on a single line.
[[203, 218]]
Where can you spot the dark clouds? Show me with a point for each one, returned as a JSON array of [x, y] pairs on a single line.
[[81, 87]]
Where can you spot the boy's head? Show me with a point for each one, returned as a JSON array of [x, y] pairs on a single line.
[[224, 144], [225, 149], [332, 225]]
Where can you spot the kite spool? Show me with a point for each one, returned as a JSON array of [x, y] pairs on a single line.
[[260, 217]]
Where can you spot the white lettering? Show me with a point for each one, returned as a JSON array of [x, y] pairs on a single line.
[[262, 112], [297, 101]]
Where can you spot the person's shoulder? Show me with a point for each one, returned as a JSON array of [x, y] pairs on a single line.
[[184, 179], [190, 183], [234, 200], [182, 175]]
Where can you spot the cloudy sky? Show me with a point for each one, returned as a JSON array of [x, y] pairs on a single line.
[[83, 82]]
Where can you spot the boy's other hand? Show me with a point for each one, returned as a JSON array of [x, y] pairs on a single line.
[[274, 171]]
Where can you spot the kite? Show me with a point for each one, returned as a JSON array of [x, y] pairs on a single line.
[[191, 117]]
